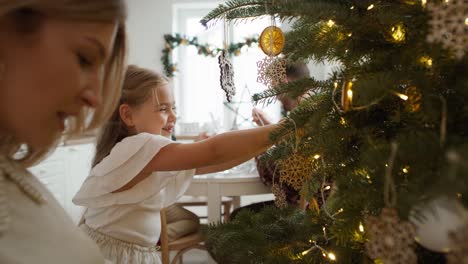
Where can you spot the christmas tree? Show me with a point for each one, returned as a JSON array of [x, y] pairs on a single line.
[[386, 135]]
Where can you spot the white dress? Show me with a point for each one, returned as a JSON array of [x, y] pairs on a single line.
[[127, 225], [34, 227]]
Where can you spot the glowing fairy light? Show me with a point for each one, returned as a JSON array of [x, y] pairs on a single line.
[[426, 61], [361, 228], [398, 32], [403, 97], [350, 94], [331, 256], [303, 253], [330, 23], [328, 187], [370, 7], [316, 156], [405, 169]]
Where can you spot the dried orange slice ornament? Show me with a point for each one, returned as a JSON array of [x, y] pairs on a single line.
[[272, 41]]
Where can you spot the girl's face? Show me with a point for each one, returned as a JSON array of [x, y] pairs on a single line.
[[157, 115], [50, 74]]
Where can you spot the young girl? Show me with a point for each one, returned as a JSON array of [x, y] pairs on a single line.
[[138, 170], [58, 60]]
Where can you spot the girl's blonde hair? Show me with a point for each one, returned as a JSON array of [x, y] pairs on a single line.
[[28, 14], [139, 86]]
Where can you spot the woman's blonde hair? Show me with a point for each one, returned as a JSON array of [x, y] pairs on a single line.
[[99, 11], [139, 85]]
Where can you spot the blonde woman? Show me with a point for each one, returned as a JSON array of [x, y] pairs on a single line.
[[59, 60]]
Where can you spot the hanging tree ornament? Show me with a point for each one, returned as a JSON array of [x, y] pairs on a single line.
[[295, 170], [391, 239], [272, 40], [347, 96], [226, 69], [413, 103], [280, 195], [435, 220], [459, 240], [227, 75], [271, 70], [448, 25]]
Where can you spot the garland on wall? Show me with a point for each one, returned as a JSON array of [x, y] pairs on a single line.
[[173, 41]]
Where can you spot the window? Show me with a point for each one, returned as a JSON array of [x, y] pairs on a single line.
[[196, 83]]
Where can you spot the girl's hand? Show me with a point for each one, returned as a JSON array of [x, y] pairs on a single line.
[[202, 136], [260, 117]]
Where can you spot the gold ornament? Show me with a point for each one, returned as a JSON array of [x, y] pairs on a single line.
[[413, 103], [398, 33], [391, 240], [347, 96], [295, 170], [459, 252], [272, 41], [280, 196]]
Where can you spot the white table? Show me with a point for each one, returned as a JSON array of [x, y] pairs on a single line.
[[216, 185]]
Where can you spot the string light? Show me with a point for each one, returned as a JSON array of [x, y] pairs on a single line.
[[350, 94], [405, 169], [423, 3], [350, 34], [316, 156], [403, 97], [342, 121], [328, 187], [331, 256], [370, 7], [466, 21], [305, 252], [361, 228], [330, 23], [352, 7], [426, 61], [398, 32]]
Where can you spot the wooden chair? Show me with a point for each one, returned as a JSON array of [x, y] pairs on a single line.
[[226, 203], [180, 245]]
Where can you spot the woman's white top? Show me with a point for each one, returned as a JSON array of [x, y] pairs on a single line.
[[35, 232], [131, 215]]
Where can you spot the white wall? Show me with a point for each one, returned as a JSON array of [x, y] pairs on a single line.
[[148, 21]]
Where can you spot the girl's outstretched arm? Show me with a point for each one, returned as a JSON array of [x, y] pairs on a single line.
[[230, 148], [222, 148]]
